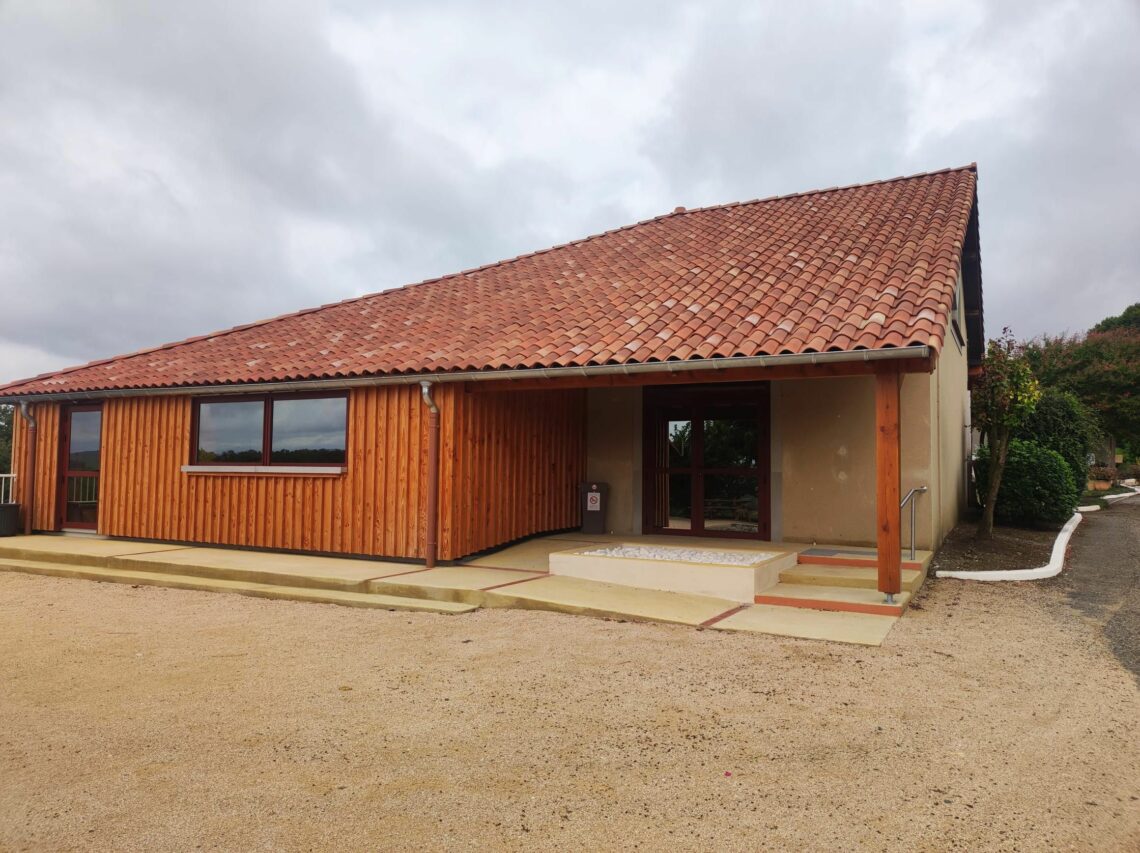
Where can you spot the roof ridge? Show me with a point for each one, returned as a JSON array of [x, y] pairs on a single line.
[[971, 167]]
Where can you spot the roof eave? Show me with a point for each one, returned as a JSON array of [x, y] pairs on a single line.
[[920, 354]]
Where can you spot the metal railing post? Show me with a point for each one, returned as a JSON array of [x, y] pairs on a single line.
[[912, 503], [918, 490]]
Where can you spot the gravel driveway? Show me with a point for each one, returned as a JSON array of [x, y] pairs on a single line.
[[995, 717], [1102, 577]]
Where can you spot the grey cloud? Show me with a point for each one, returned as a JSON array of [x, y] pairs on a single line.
[[785, 101], [167, 170]]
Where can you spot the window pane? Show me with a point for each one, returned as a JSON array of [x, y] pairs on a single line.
[[680, 435], [309, 430], [680, 501], [732, 503], [83, 454], [731, 442], [230, 432]]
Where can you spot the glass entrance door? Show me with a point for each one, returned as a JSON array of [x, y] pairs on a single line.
[[707, 461], [82, 428]]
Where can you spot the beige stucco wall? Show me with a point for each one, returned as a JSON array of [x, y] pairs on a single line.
[[825, 476], [953, 408], [613, 452], [823, 454]]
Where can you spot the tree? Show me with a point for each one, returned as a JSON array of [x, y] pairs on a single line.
[[1129, 318], [1061, 422], [6, 415], [1004, 398], [1102, 369]]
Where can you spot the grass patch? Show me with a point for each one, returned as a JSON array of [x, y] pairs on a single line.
[[1091, 495]]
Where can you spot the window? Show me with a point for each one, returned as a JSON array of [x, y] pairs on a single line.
[[271, 430], [232, 431], [956, 315], [308, 430]]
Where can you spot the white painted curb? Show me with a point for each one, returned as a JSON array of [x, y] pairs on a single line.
[[1114, 498], [1109, 499], [1050, 569]]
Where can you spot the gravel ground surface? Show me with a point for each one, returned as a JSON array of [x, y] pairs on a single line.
[[994, 718]]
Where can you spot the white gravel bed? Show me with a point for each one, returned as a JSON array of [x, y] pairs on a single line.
[[675, 554]]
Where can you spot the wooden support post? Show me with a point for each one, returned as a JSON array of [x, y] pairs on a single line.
[[31, 436], [887, 468], [431, 518]]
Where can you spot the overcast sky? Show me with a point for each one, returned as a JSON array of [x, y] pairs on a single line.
[[169, 169]]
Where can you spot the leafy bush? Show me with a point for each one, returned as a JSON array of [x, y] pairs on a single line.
[[1131, 471], [1037, 486], [1063, 423]]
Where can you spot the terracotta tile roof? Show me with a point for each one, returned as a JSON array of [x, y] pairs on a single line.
[[867, 266]]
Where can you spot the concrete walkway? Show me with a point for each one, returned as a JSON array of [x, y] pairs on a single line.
[[506, 579]]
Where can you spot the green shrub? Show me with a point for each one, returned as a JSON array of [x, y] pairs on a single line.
[[1036, 488], [1063, 423]]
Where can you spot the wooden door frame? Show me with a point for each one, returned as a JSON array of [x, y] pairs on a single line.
[[66, 410], [696, 398]]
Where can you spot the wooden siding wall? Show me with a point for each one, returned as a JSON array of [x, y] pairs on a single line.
[[375, 508], [510, 467], [514, 460], [47, 462]]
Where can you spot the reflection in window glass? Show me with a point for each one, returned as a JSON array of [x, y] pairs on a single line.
[[731, 503], [309, 430], [680, 502], [731, 442], [230, 431], [680, 443], [83, 451]]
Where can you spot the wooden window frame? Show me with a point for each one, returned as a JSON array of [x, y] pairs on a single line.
[[266, 430], [699, 401]]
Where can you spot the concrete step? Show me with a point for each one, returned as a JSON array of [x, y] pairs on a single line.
[[563, 594], [248, 566], [462, 584], [860, 628], [853, 560], [347, 598], [848, 576], [843, 599]]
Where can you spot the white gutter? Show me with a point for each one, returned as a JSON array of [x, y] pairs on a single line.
[[504, 375], [1050, 569]]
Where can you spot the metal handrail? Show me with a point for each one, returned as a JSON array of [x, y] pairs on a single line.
[[917, 490]]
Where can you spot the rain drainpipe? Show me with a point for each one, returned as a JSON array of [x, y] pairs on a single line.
[[29, 468], [431, 534]]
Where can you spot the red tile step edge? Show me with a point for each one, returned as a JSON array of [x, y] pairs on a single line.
[[837, 606]]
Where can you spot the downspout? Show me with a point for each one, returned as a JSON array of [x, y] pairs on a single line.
[[431, 533], [29, 467]]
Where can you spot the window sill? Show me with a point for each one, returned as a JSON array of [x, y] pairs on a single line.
[[291, 470]]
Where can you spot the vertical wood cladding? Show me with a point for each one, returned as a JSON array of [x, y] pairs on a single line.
[[47, 462], [514, 460], [375, 507], [510, 464]]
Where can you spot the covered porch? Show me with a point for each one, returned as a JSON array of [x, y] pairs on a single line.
[[858, 466]]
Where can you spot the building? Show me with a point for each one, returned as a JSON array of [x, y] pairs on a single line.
[[780, 369]]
